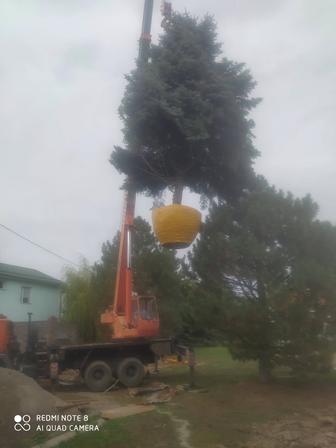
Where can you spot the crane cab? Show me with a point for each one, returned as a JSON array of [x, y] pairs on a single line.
[[145, 315], [144, 321]]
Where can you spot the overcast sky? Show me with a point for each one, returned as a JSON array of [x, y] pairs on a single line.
[[62, 69]]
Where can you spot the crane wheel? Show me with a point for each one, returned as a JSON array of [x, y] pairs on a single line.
[[131, 372], [98, 376]]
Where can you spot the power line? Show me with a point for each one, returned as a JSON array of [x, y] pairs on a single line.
[[38, 245]]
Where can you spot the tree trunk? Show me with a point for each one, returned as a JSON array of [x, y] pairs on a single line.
[[178, 192], [265, 371]]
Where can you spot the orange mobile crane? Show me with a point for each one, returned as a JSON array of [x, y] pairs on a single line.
[[133, 316], [133, 319], [134, 339]]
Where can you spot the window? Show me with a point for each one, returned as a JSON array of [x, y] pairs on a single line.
[[148, 308], [25, 294]]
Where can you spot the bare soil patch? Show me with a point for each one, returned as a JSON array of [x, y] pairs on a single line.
[[21, 395], [312, 429]]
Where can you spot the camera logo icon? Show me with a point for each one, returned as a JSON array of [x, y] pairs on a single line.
[[22, 422]]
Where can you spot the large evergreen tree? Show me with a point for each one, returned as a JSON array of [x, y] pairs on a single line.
[[186, 116], [274, 265]]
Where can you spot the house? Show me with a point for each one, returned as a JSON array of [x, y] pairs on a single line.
[[25, 290]]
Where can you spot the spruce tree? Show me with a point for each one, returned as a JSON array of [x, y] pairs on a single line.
[[186, 116]]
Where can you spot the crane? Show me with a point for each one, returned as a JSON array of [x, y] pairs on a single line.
[[131, 315], [135, 342]]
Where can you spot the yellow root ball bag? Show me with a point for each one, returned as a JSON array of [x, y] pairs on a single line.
[[176, 226]]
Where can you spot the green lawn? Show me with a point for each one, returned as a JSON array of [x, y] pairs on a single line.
[[219, 416], [144, 430]]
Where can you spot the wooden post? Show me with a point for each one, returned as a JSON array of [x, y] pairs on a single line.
[[191, 364], [156, 364]]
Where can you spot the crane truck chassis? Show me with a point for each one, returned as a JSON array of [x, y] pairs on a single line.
[[99, 364], [102, 364]]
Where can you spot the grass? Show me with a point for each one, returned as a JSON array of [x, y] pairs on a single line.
[[222, 415], [138, 431], [236, 399]]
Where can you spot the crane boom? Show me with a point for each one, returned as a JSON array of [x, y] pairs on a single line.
[[132, 315]]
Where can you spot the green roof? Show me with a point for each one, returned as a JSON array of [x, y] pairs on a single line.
[[21, 273]]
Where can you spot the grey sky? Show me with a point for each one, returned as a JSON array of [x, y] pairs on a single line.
[[61, 81]]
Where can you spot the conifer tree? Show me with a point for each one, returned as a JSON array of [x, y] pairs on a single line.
[[273, 263], [186, 116]]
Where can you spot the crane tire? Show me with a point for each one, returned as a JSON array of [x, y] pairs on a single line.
[[98, 376], [131, 372]]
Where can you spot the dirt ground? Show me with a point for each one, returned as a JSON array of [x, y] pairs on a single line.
[[241, 415], [231, 409], [93, 403], [20, 395], [228, 409], [236, 411], [249, 415], [310, 429]]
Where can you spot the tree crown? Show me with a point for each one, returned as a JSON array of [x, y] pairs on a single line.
[[186, 115]]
